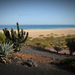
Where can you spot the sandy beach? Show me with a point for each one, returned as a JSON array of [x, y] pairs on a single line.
[[36, 32]]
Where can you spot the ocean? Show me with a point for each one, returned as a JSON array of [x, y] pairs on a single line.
[[36, 26]]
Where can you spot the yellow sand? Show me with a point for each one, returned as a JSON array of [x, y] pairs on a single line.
[[36, 32]]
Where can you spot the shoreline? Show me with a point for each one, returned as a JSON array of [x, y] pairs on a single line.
[[36, 32], [43, 29]]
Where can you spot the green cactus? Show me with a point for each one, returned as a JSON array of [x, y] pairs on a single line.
[[5, 51], [18, 40]]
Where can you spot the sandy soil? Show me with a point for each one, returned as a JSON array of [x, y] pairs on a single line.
[[36, 32]]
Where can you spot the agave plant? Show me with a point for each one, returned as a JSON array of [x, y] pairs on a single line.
[[5, 51]]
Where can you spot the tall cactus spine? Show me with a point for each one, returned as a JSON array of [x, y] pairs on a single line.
[[19, 39]]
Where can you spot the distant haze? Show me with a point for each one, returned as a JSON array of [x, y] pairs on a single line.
[[37, 12]]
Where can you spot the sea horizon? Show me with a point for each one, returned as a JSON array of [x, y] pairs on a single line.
[[25, 27]]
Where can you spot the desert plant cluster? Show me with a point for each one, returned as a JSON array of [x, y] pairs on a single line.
[[69, 63], [64, 42], [12, 42]]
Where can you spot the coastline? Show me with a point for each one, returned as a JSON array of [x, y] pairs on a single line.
[[36, 32]]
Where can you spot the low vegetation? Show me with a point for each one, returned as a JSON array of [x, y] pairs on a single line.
[[49, 42], [52, 41], [69, 62], [5, 51], [56, 34], [41, 35], [2, 37]]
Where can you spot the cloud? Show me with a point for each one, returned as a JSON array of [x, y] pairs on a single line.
[[23, 14]]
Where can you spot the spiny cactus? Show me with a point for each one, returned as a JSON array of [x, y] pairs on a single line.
[[5, 51], [18, 40]]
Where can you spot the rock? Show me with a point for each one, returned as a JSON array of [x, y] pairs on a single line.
[[19, 58], [65, 53], [19, 62], [8, 60], [34, 63], [15, 57], [44, 61], [53, 58], [41, 53], [30, 63], [51, 62]]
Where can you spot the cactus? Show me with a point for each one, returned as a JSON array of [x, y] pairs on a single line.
[[18, 40], [5, 51]]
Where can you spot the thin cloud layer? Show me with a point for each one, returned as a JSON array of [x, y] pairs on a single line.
[[23, 14]]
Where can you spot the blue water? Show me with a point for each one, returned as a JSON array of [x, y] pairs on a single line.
[[36, 26]]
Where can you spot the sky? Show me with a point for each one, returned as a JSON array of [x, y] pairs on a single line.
[[37, 12]]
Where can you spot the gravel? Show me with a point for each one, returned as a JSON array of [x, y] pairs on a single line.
[[42, 52]]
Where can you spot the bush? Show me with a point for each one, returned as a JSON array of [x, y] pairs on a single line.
[[38, 44], [49, 41], [56, 34], [30, 37], [70, 62], [52, 37], [38, 39], [51, 33], [69, 35], [43, 45], [71, 45], [41, 35], [48, 34], [2, 37]]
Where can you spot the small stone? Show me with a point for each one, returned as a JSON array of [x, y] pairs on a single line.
[[47, 61], [15, 57], [45, 56], [40, 61], [8, 60], [44, 61], [19, 62], [29, 63], [41, 53], [53, 58], [19, 58], [35, 63], [65, 53], [52, 62], [26, 66]]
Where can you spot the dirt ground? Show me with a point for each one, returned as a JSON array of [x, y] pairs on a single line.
[[23, 56]]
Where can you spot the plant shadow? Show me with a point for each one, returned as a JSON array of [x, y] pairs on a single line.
[[47, 51]]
